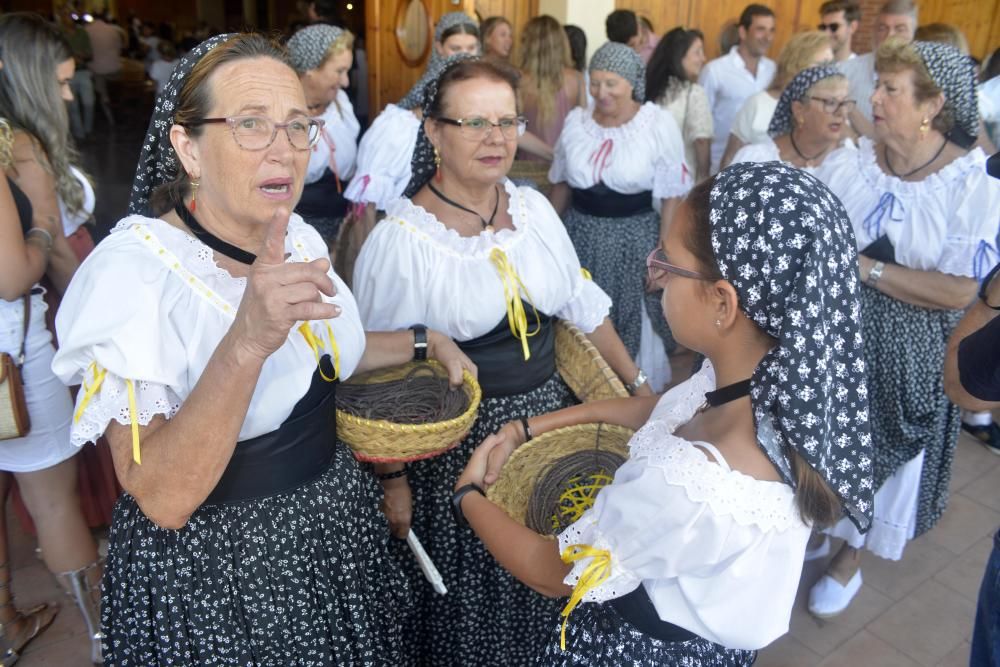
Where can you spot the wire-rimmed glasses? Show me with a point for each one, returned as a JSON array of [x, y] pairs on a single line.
[[255, 133], [831, 105], [478, 128]]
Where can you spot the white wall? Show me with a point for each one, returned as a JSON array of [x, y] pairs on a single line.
[[589, 15]]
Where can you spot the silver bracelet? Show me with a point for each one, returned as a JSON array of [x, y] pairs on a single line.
[[46, 237], [875, 274], [639, 380]]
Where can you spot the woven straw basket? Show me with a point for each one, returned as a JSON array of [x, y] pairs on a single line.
[[530, 463], [583, 368], [381, 441]]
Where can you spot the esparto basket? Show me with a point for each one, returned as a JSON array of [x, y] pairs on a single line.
[[382, 441], [540, 461], [583, 368]]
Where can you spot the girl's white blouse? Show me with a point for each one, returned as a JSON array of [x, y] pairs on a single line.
[[384, 158], [341, 138], [646, 153], [150, 305], [412, 269], [946, 222], [719, 552]]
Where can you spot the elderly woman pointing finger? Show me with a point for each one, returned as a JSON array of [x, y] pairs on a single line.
[[209, 340]]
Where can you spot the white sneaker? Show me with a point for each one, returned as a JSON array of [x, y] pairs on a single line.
[[829, 598], [822, 551]]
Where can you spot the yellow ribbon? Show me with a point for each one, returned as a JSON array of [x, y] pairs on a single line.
[[593, 576], [89, 389], [316, 345], [134, 418], [512, 288], [586, 274]]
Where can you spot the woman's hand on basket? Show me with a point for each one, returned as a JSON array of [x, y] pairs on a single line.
[[443, 349], [500, 446], [278, 294], [397, 505]]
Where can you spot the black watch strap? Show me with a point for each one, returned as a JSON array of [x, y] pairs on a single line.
[[419, 342], [456, 502]]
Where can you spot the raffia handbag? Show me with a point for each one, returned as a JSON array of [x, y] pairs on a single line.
[[14, 420]]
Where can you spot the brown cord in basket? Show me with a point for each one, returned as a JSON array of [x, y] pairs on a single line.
[[569, 487], [423, 395]]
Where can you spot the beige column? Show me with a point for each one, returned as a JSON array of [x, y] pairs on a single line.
[[589, 15]]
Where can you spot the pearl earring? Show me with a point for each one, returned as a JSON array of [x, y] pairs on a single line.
[[718, 323]]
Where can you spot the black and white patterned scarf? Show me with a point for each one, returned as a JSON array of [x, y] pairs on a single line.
[[955, 74], [781, 121], [308, 47], [158, 162], [786, 244], [422, 165], [623, 61]]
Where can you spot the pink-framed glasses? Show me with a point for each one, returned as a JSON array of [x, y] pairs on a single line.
[[657, 266]]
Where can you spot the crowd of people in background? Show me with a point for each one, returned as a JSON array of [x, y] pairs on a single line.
[[812, 224]]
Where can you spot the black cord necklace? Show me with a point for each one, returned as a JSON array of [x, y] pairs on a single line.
[[211, 240], [923, 166], [795, 146], [726, 394], [487, 224]]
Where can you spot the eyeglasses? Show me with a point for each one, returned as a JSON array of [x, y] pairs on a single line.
[[658, 266], [477, 129], [832, 27], [255, 133], [831, 105]]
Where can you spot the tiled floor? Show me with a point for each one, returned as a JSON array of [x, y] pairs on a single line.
[[915, 612]]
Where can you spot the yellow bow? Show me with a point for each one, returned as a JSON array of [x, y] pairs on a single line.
[[586, 274], [89, 389], [593, 576], [512, 288], [316, 345], [88, 393]]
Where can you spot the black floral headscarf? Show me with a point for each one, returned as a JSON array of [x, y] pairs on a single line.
[[781, 121], [786, 244], [623, 61], [955, 74], [158, 161]]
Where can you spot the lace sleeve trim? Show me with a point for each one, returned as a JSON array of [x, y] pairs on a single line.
[[94, 413]]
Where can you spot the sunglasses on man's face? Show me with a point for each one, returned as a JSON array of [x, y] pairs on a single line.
[[832, 27]]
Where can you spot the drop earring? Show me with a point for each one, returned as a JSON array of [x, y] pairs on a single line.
[[718, 323], [193, 206], [925, 127], [437, 165]]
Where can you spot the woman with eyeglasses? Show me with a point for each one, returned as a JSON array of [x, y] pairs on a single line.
[[490, 264], [809, 122], [209, 333], [924, 215], [691, 557], [806, 49], [322, 55], [618, 173]]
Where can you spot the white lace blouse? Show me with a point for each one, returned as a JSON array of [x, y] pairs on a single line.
[[946, 222], [384, 158], [338, 139], [646, 153], [145, 312], [719, 552], [412, 269]]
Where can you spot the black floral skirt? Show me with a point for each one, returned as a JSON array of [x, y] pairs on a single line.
[[301, 578], [487, 617], [596, 636]]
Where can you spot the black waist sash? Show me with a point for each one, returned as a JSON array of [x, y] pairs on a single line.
[[297, 452], [321, 199], [499, 357], [603, 202], [637, 609]]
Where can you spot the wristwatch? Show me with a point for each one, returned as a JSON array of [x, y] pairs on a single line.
[[419, 342], [456, 502], [639, 380]]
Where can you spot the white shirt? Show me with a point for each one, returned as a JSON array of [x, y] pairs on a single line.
[[414, 269], [160, 72], [689, 105], [384, 155], [646, 153], [754, 117], [150, 305], [339, 138], [728, 83], [861, 77], [767, 151], [719, 552], [946, 222], [73, 220]]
